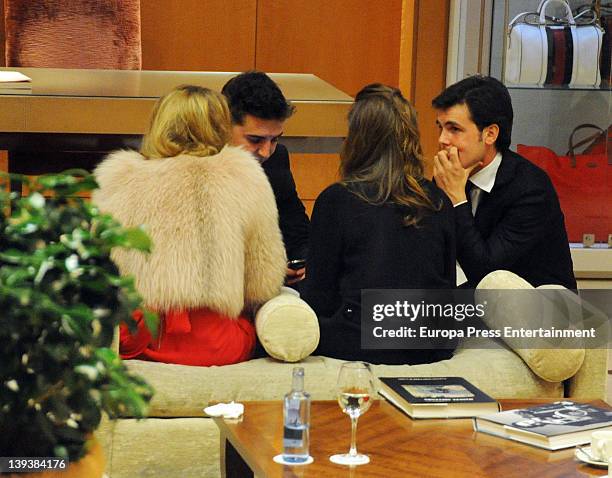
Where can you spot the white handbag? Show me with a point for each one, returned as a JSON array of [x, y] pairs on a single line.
[[530, 55]]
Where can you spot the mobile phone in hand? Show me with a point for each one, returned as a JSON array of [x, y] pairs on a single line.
[[296, 264]]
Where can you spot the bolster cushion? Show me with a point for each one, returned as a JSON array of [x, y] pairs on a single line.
[[518, 310], [287, 328]]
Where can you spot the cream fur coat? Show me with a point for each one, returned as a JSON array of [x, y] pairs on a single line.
[[214, 226]]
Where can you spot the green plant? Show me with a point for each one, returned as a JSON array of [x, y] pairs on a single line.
[[61, 298]]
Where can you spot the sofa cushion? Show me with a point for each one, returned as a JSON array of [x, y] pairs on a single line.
[[183, 391], [521, 310], [489, 365], [287, 328]]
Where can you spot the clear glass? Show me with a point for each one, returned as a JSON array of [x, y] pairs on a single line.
[[355, 391]]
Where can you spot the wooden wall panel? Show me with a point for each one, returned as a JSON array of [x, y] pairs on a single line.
[[314, 172], [408, 44], [205, 35], [309, 205], [348, 43], [3, 161], [2, 36], [430, 69]]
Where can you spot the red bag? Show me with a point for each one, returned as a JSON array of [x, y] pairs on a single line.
[[583, 182]]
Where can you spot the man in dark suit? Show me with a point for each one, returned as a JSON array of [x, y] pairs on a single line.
[[506, 209], [259, 112]]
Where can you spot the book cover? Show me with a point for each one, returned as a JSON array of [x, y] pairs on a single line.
[[553, 426], [437, 397]]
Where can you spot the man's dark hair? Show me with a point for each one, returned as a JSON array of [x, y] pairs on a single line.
[[254, 93], [488, 102]]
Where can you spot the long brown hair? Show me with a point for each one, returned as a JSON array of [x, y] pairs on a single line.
[[381, 160]]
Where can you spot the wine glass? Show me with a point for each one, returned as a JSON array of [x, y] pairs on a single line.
[[355, 390]]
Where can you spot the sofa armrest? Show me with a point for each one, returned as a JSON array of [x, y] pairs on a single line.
[[591, 380], [287, 328], [513, 301]]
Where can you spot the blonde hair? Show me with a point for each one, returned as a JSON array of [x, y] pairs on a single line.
[[190, 119], [381, 159]]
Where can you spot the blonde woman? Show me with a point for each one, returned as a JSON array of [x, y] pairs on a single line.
[[209, 209], [383, 226]]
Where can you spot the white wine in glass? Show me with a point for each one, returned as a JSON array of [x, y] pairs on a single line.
[[354, 402], [355, 389]]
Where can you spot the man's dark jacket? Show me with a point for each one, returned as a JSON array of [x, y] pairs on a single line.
[[293, 221], [518, 227]]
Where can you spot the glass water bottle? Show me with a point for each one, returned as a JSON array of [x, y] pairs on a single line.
[[296, 415]]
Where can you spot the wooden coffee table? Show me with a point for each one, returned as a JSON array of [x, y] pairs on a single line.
[[397, 446]]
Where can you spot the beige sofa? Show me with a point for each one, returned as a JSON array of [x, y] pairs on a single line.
[[177, 440]]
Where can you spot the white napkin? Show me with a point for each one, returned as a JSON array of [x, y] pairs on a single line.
[[225, 410]]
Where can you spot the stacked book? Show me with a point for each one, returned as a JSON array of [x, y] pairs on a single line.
[[552, 426], [562, 424], [436, 397], [14, 83]]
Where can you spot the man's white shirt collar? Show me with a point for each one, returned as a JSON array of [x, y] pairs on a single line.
[[485, 178]]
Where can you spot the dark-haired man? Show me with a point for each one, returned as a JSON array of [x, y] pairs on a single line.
[[259, 111], [507, 211]]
